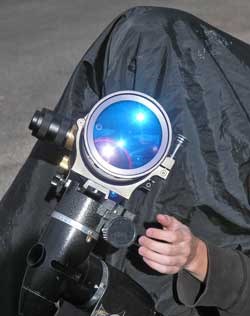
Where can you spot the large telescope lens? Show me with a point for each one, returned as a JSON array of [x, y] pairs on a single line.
[[127, 134]]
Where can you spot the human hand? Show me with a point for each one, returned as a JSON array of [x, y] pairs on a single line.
[[173, 248]]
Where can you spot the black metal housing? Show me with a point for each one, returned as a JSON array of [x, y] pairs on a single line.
[[61, 267]]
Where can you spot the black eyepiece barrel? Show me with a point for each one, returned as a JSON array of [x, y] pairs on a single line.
[[50, 126]]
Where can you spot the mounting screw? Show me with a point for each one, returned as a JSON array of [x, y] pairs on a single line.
[[148, 185], [163, 173]]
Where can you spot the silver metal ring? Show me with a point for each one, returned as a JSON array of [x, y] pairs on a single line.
[[69, 221], [102, 287]]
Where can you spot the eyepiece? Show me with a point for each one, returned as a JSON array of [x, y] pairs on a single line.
[[50, 126], [36, 122]]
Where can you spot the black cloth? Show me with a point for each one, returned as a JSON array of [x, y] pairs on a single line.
[[200, 75]]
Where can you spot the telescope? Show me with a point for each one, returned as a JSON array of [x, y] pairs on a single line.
[[122, 145]]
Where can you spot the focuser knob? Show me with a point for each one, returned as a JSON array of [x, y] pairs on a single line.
[[120, 232]]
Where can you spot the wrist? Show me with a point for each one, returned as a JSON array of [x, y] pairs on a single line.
[[199, 263]]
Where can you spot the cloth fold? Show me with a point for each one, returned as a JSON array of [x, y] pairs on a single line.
[[226, 286]]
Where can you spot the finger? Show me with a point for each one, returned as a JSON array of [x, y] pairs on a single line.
[[160, 247], [166, 235], [162, 259], [161, 268], [169, 222], [168, 249]]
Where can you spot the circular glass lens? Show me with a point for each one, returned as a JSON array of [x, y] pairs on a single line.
[[127, 134]]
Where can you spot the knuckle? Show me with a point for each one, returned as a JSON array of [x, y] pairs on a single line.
[[176, 270], [173, 238], [188, 238], [183, 262], [166, 270], [173, 270], [186, 235], [187, 252]]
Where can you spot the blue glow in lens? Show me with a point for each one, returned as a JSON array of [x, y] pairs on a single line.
[[127, 134]]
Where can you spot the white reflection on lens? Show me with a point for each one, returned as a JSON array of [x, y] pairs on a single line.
[[140, 116], [107, 151]]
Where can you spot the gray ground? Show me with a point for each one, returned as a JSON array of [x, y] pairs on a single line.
[[42, 41]]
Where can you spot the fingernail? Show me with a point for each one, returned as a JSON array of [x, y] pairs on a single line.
[[140, 240], [149, 232]]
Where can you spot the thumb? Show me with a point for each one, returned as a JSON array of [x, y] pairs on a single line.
[[169, 222]]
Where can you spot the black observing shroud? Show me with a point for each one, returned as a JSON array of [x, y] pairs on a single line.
[[201, 76]]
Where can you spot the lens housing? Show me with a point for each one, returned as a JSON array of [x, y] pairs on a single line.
[[127, 135]]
